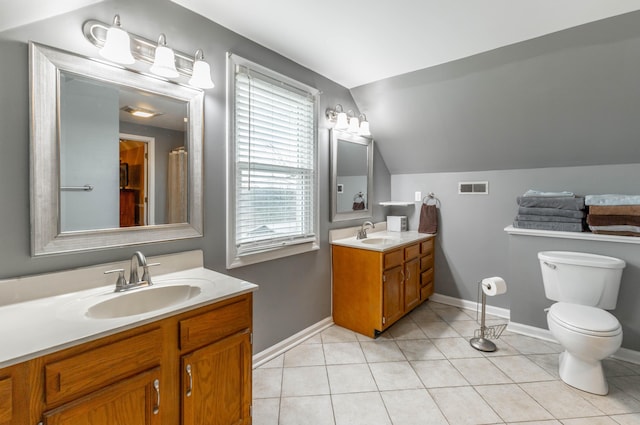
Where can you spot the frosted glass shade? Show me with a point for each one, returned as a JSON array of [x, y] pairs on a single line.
[[164, 63], [341, 121], [354, 125], [364, 129], [201, 76], [117, 47]]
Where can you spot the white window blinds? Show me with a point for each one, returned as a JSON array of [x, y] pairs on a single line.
[[275, 163]]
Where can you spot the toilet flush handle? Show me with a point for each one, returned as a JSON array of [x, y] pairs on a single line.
[[550, 265]]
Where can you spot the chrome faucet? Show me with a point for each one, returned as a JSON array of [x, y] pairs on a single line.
[[362, 233], [137, 260]]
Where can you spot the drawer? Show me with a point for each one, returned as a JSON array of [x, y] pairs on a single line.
[[393, 258], [411, 251], [426, 277], [6, 400], [426, 247], [213, 325], [93, 369], [426, 262], [426, 291]]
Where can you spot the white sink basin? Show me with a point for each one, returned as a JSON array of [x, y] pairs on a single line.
[[379, 241], [144, 300]]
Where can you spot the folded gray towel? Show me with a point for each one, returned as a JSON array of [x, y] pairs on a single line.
[[555, 212], [549, 225], [548, 218], [576, 203]]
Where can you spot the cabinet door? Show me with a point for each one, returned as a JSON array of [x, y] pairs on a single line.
[[132, 401], [216, 383], [392, 295], [411, 284]]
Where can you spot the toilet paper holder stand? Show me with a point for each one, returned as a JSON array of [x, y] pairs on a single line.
[[481, 341]]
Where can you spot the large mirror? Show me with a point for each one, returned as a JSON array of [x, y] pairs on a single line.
[[351, 176], [116, 156]]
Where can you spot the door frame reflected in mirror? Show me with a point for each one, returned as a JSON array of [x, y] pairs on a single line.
[[46, 64], [337, 136]]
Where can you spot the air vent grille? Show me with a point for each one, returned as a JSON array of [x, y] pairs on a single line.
[[473, 188]]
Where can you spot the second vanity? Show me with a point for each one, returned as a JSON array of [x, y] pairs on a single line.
[[179, 356], [379, 279]]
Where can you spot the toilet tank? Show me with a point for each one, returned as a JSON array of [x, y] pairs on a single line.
[[581, 278]]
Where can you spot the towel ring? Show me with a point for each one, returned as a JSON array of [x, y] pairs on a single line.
[[431, 197], [358, 196]]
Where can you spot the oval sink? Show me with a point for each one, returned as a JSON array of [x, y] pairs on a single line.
[[139, 301], [378, 241]]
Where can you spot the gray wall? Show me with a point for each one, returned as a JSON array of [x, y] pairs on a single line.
[[294, 292], [472, 244], [566, 99]]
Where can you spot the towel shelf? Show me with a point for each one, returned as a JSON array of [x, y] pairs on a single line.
[[572, 235]]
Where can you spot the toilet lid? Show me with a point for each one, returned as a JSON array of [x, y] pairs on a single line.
[[585, 319]]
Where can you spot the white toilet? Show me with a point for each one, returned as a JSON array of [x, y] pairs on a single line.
[[585, 285]]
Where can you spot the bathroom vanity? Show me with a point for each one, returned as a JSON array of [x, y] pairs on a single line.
[[188, 363], [379, 279]]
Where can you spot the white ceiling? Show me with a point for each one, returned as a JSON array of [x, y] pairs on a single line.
[[355, 42]]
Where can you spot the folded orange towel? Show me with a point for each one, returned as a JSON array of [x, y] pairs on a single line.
[[428, 219], [613, 220], [614, 209]]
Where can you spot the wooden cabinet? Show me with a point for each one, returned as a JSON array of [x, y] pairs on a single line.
[[136, 377], [372, 289]]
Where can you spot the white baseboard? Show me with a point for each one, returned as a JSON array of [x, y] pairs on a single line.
[[470, 305], [275, 350]]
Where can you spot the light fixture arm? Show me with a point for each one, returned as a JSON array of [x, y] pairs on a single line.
[[332, 114], [142, 48]]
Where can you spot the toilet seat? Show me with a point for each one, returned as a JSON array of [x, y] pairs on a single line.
[[586, 320]]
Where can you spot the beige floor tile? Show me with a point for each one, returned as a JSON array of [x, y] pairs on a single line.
[[438, 330], [528, 345], [267, 383], [521, 369], [456, 348], [359, 409], [337, 334], [512, 404], [406, 329], [352, 378], [266, 411], [424, 316], [631, 419], [395, 376], [551, 422], [598, 420], [381, 351], [438, 373], [617, 402], [343, 353], [502, 349], [304, 355], [463, 406], [560, 400], [617, 368], [303, 381], [465, 328], [316, 339], [419, 349], [628, 384], [412, 407], [480, 371], [275, 362], [313, 410], [549, 362], [452, 313]]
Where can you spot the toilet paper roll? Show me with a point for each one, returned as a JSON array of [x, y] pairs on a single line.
[[494, 286]]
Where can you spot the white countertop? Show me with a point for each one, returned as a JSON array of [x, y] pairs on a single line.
[[40, 326], [384, 240]]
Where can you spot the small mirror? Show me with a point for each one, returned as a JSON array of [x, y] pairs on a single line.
[[351, 176], [116, 156]]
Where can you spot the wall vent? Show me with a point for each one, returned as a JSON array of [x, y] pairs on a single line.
[[473, 188]]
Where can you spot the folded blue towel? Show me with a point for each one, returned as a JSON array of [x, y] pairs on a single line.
[[612, 199], [568, 203], [539, 193], [549, 225], [548, 218], [554, 212]]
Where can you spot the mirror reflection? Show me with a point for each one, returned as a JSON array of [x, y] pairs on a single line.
[[352, 171], [123, 160]]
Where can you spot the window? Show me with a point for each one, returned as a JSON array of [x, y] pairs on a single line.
[[272, 187]]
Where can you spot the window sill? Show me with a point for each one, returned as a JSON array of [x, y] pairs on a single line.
[[572, 235], [245, 260]]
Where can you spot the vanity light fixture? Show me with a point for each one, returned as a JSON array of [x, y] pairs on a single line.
[[201, 76], [165, 62], [140, 112], [117, 46], [348, 121]]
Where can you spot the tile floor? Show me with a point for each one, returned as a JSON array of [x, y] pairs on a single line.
[[422, 371]]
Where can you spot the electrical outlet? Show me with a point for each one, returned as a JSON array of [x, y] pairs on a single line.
[[418, 196]]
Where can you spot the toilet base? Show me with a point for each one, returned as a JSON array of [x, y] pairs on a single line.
[[584, 375]]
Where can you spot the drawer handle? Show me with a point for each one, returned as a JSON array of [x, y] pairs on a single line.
[[550, 265], [156, 385], [190, 387]]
